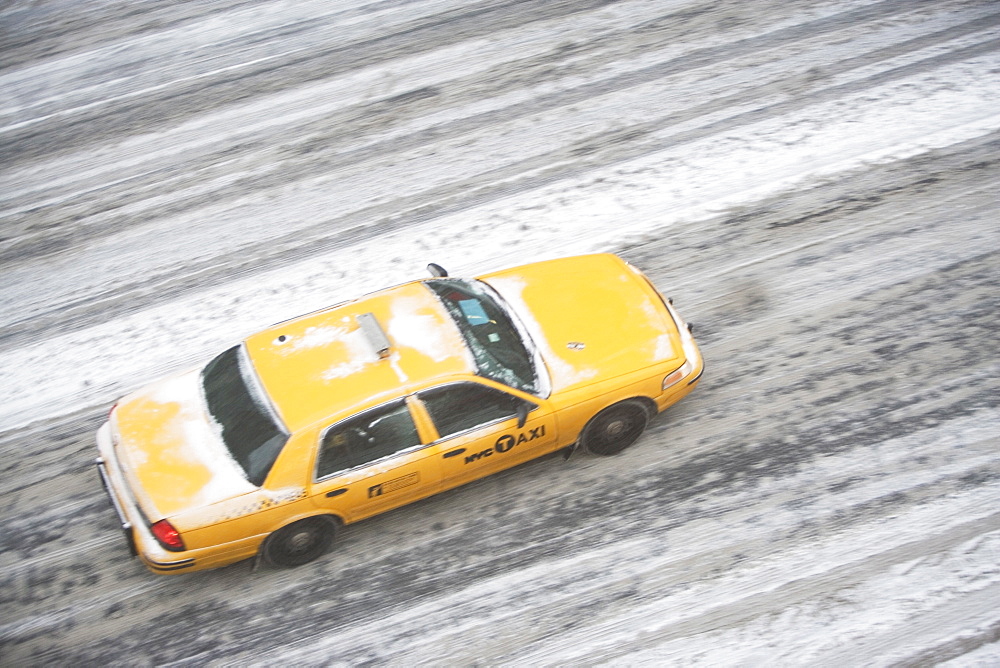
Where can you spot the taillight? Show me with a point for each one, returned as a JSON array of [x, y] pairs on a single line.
[[167, 536]]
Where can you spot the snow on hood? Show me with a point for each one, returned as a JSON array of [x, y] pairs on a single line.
[[590, 318], [562, 374]]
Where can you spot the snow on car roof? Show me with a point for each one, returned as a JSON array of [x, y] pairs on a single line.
[[322, 364]]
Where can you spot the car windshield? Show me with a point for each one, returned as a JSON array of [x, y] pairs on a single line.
[[250, 428], [501, 353]]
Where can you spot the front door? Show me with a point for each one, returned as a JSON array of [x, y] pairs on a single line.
[[478, 432]]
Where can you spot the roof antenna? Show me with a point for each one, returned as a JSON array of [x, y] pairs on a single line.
[[437, 271]]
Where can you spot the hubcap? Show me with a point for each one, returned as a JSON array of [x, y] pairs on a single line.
[[300, 541], [615, 428]]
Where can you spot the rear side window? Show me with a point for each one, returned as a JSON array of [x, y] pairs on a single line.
[[366, 438], [465, 406]]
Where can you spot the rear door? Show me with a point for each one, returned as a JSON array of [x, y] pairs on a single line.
[[478, 433], [373, 462]]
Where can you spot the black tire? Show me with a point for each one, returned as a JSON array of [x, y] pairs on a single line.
[[615, 428], [299, 542]]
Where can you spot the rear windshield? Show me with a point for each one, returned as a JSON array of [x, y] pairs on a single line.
[[500, 352], [250, 429]]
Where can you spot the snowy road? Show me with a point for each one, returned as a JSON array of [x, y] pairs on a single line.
[[816, 184]]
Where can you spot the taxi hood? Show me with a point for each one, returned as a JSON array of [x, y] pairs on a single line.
[[171, 450], [593, 317]]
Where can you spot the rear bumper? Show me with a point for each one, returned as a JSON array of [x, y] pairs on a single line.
[[102, 469]]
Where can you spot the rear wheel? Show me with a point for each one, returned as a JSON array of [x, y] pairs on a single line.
[[615, 428], [299, 542]]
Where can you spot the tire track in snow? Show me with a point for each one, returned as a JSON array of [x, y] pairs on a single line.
[[352, 228], [852, 375], [566, 524], [547, 168]]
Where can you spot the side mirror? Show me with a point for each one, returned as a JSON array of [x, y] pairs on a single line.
[[522, 413], [436, 270]]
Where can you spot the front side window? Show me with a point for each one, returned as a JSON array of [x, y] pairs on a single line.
[[496, 344], [465, 406], [252, 432], [365, 438]]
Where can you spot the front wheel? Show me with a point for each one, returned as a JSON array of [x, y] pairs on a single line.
[[615, 428], [299, 542]]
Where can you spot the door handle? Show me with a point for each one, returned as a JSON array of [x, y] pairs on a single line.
[[453, 453], [336, 492]]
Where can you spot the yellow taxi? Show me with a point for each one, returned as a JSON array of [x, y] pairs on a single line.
[[318, 422]]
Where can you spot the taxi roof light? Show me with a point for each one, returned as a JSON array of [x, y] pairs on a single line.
[[374, 333]]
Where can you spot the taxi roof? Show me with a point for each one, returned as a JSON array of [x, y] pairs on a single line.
[[325, 363]]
